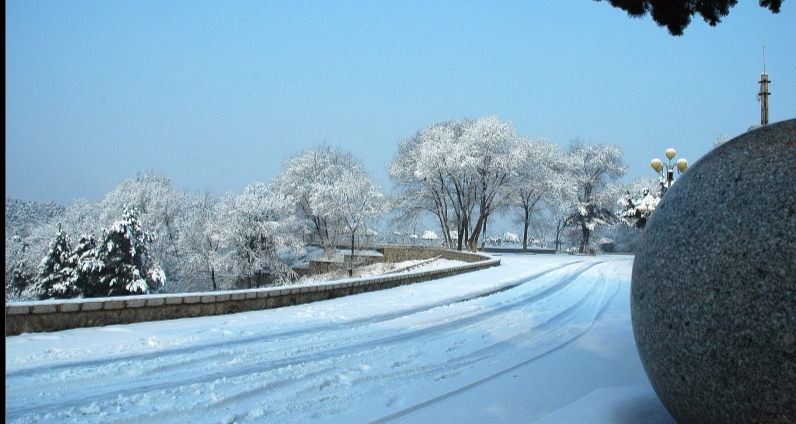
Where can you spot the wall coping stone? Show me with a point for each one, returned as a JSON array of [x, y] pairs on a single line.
[[69, 307], [44, 308], [17, 309], [155, 301], [173, 300], [114, 304], [136, 303], [94, 305]]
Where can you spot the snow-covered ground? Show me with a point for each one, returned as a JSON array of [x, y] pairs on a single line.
[[540, 339]]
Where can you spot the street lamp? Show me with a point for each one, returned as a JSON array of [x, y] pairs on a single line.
[[667, 171]]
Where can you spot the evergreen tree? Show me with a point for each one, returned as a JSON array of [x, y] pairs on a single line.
[[20, 280], [121, 264], [57, 270], [676, 15], [17, 276], [84, 256]]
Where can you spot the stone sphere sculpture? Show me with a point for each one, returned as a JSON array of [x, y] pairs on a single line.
[[713, 293]]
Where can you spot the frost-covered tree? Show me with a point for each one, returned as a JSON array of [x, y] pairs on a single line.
[[538, 175], [592, 167], [421, 173], [489, 166], [302, 176], [17, 277], [120, 264], [58, 270], [353, 201], [333, 194], [30, 226], [83, 217], [557, 212], [459, 171], [258, 234], [18, 281], [200, 243], [18, 274]]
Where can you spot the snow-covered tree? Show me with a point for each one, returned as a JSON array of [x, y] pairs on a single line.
[[421, 173], [539, 175], [199, 243], [160, 209], [302, 176], [333, 194], [18, 277], [458, 171], [30, 226], [489, 166], [57, 271], [83, 217], [353, 201], [592, 167], [120, 264], [257, 234], [639, 200], [557, 212]]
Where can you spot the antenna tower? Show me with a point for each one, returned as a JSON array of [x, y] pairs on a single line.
[[762, 96]]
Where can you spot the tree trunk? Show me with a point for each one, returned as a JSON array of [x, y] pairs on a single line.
[[525, 229], [484, 239], [351, 258], [460, 236], [584, 248], [472, 241]]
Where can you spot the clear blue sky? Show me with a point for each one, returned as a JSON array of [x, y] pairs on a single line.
[[217, 94]]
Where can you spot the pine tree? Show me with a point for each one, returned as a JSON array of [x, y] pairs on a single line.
[[122, 265], [84, 255], [57, 270]]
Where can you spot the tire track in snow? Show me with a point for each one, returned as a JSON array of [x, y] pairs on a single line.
[[271, 335], [536, 355], [331, 349], [98, 387]]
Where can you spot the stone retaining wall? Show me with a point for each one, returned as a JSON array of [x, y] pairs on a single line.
[[393, 254], [57, 315], [414, 253], [530, 250]]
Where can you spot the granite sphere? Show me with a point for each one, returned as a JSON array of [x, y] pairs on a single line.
[[713, 293]]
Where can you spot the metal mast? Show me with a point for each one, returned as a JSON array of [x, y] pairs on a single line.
[[762, 96]]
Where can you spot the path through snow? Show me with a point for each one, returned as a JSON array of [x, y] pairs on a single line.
[[515, 343]]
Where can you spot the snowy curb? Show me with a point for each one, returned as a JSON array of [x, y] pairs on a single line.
[[57, 315]]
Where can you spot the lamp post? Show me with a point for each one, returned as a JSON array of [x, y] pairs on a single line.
[[666, 172]]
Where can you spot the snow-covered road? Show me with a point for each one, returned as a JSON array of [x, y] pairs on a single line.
[[492, 345]]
